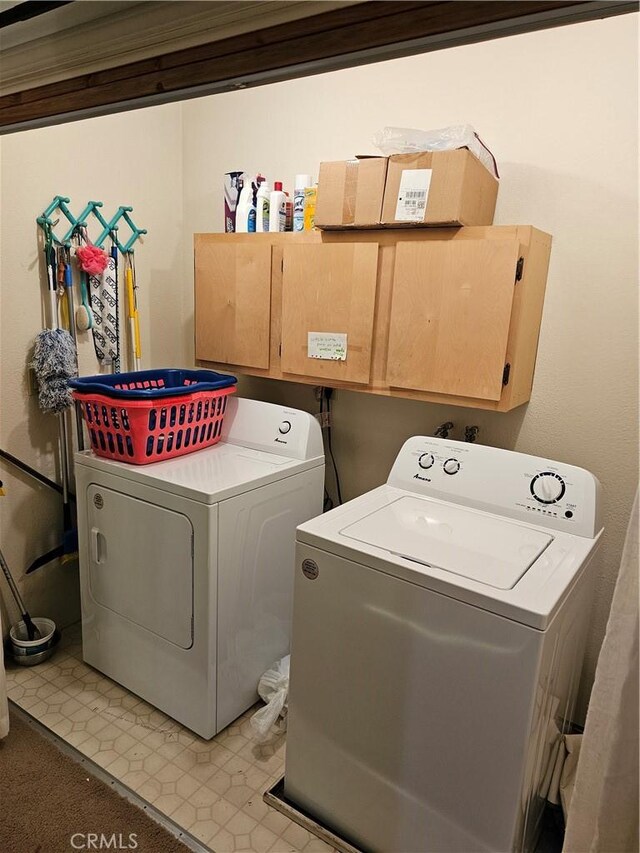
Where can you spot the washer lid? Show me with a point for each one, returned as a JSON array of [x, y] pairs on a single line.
[[489, 550]]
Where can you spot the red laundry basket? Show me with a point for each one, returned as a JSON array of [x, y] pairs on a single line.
[[151, 415]]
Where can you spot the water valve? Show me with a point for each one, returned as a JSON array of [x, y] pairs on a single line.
[[443, 430], [471, 433]]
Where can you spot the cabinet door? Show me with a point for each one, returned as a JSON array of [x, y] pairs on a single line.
[[233, 303], [450, 316], [329, 288]]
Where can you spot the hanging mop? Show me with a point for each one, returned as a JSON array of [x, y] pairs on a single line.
[[54, 363], [54, 357]]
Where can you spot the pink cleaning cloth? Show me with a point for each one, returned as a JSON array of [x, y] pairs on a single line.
[[93, 260]]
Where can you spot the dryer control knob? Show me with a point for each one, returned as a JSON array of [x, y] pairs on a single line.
[[451, 466], [284, 427], [425, 460]]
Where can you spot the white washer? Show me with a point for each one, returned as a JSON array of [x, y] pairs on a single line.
[[438, 637], [186, 566]]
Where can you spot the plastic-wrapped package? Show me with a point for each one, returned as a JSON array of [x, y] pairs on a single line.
[[406, 140], [273, 688]]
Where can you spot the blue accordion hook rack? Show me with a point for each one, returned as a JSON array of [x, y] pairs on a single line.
[[92, 208]]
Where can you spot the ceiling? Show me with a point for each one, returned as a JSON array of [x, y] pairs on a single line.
[[50, 18], [61, 42]]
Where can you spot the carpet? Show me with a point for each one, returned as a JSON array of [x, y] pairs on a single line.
[[51, 804]]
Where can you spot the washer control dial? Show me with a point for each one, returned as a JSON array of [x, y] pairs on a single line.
[[451, 466], [284, 427], [425, 460], [548, 487]]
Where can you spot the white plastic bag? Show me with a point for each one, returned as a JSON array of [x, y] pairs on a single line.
[[273, 688], [407, 140]]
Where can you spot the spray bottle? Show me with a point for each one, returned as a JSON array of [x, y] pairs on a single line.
[[246, 212], [301, 183], [232, 187], [262, 207]]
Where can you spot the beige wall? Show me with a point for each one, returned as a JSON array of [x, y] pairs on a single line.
[[133, 158], [559, 109]]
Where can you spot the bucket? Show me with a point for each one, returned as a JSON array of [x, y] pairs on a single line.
[[28, 652]]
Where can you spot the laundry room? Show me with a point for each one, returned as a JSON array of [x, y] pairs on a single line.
[[385, 516]]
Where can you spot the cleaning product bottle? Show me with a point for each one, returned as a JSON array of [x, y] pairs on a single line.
[[310, 195], [253, 218], [262, 207], [277, 208], [232, 188], [288, 226], [246, 210], [301, 183]]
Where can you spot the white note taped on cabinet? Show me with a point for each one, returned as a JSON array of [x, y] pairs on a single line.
[[413, 195], [329, 346]]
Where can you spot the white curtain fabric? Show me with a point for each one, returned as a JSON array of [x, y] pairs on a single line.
[[603, 815], [4, 707]]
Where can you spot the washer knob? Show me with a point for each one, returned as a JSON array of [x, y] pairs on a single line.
[[451, 466], [425, 460], [284, 427], [547, 487]]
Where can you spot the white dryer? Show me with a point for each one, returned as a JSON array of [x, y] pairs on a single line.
[[186, 565], [438, 638]]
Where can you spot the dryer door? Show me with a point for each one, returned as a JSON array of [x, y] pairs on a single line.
[[141, 563]]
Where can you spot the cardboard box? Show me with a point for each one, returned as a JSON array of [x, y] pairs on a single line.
[[438, 188], [350, 193]]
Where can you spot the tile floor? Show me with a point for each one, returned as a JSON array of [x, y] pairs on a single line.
[[213, 789]]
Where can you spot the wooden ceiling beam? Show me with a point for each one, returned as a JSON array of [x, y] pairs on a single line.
[[364, 32]]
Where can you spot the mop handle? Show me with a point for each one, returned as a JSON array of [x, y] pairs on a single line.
[[134, 327], [68, 286], [63, 457], [53, 290], [133, 310], [12, 585]]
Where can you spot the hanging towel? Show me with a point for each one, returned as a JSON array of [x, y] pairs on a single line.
[[103, 291]]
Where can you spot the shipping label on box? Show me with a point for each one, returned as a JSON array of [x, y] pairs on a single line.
[[459, 190], [413, 195]]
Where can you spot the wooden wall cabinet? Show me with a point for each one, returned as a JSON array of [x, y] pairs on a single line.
[[329, 287], [233, 303], [448, 315]]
